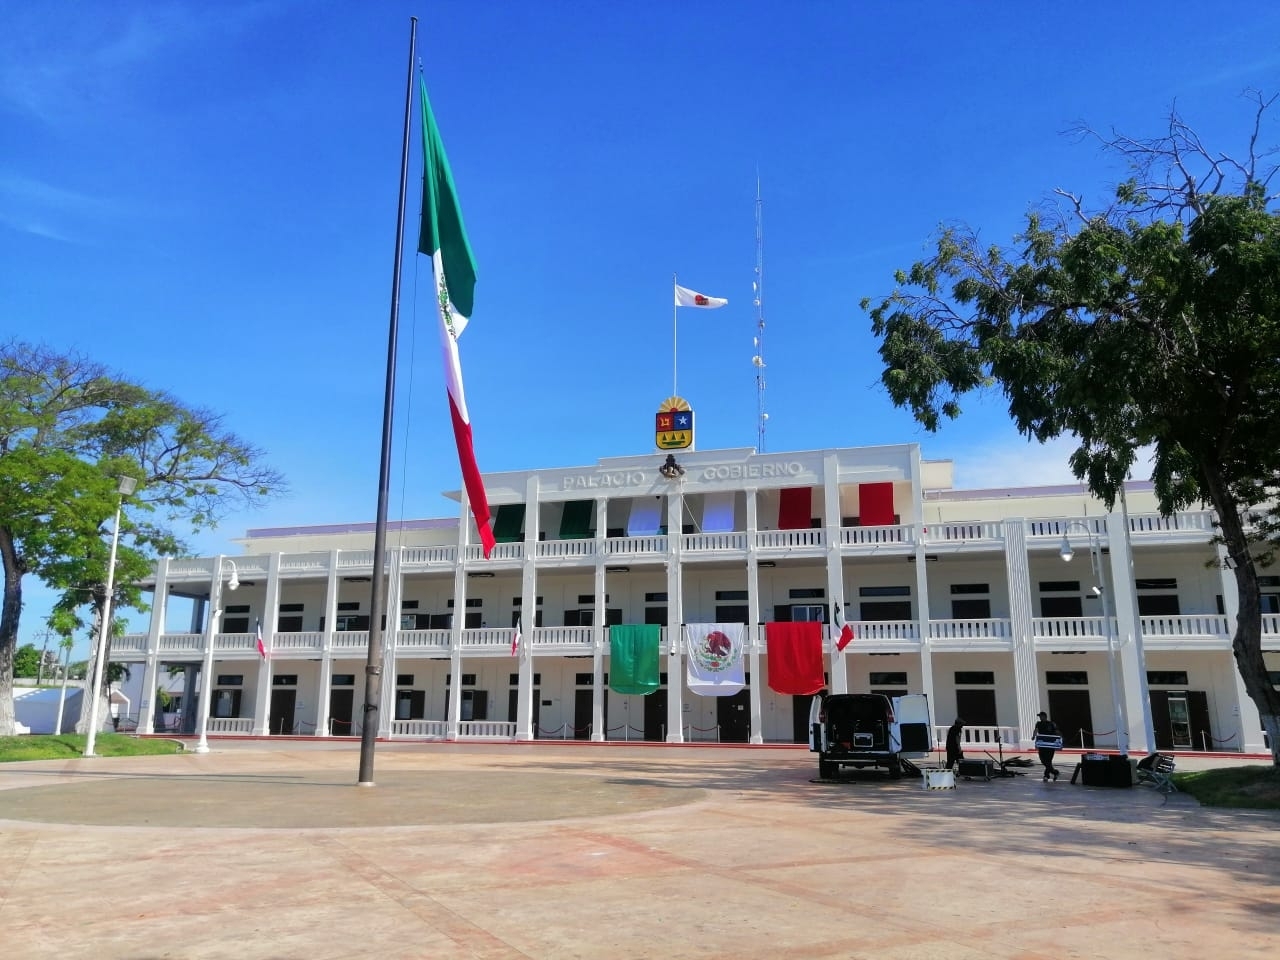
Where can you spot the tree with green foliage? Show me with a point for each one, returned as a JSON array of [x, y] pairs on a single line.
[[69, 428], [1151, 324], [26, 661]]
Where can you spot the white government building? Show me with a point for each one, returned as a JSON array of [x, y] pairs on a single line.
[[961, 594]]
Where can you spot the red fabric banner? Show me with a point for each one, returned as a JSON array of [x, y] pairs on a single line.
[[795, 507], [875, 504], [795, 657]]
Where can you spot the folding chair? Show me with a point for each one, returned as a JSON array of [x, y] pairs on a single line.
[[1156, 770]]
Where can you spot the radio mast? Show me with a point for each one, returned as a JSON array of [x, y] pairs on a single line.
[[757, 286]]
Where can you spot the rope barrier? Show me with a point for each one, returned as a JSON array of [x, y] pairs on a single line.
[[1227, 740]]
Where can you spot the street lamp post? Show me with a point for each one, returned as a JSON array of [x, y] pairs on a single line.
[[1095, 560], [126, 486], [206, 672]]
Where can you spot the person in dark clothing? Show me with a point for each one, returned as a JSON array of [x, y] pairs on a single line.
[[1047, 728], [954, 753]]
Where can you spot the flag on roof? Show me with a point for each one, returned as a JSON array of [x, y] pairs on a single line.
[[444, 239]]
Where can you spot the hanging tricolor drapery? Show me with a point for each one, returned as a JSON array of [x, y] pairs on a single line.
[[795, 657], [633, 658], [444, 239], [715, 658]]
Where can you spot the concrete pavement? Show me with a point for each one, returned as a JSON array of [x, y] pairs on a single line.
[[267, 849]]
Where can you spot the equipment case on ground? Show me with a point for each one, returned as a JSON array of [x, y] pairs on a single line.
[[975, 769]]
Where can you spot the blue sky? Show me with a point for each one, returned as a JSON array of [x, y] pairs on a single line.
[[202, 196]]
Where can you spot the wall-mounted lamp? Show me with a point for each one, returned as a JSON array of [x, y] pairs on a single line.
[[617, 569], [670, 469], [481, 574], [766, 563]]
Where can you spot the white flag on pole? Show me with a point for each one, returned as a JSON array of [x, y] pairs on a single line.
[[691, 298]]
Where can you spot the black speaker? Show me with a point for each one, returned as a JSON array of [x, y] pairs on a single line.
[[1106, 771]]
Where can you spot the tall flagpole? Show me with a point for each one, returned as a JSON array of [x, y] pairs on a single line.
[[758, 359], [373, 667], [674, 308]]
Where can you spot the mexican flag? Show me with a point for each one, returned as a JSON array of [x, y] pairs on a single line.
[[444, 239], [843, 632]]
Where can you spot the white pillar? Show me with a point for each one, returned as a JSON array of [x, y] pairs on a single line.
[[155, 627], [755, 630], [1026, 669], [529, 615], [270, 615], [675, 613], [839, 671], [390, 638], [324, 725]]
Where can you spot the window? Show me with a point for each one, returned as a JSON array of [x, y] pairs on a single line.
[[235, 624], [811, 612], [351, 621], [658, 597], [408, 604], [1166, 678], [226, 703], [236, 608], [1061, 607], [230, 679], [889, 679], [806, 593], [349, 605], [291, 608], [468, 679], [984, 677], [404, 679], [1077, 678], [970, 588], [729, 595], [884, 591], [292, 624], [1059, 586], [285, 680], [344, 679], [1157, 597]]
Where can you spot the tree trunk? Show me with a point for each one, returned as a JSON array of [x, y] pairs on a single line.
[[9, 613], [1246, 643]]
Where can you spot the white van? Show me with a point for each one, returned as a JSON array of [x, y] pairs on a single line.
[[868, 730]]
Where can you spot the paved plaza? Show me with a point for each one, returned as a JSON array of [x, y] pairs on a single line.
[[267, 849]]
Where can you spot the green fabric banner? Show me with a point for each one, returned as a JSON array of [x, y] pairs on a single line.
[[633, 658]]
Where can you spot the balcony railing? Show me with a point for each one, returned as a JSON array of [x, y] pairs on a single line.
[[633, 546], [230, 725], [1069, 628], [894, 630], [486, 730], [580, 638], [877, 536], [735, 541], [564, 549], [989, 629], [987, 531], [1185, 626], [790, 539], [181, 642], [305, 641], [419, 641]]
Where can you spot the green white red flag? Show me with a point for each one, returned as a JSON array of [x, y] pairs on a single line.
[[444, 239]]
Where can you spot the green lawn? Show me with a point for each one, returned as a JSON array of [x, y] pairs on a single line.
[[70, 745], [1256, 788]]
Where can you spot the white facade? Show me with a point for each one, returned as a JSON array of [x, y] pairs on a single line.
[[962, 595]]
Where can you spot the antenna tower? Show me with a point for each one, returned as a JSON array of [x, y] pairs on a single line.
[[757, 286]]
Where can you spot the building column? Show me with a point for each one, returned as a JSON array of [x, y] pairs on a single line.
[[458, 623], [1026, 671], [155, 627], [755, 629], [324, 727], [916, 519], [675, 615], [839, 680], [270, 614], [390, 636], [529, 609]]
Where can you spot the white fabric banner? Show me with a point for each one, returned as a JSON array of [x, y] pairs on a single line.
[[692, 298], [715, 658]]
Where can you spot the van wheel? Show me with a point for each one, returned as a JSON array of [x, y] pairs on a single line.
[[895, 769], [827, 770]]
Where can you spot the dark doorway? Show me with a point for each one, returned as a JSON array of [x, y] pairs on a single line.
[[655, 715], [282, 705], [513, 706], [733, 715], [1180, 720], [977, 708], [341, 702], [1072, 712], [800, 719], [1160, 724], [1201, 732], [582, 700]]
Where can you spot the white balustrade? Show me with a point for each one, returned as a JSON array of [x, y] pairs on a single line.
[[1196, 521], [987, 629], [181, 642], [789, 539], [486, 730], [420, 729], [714, 542], [230, 725], [310, 640], [1194, 625], [1055, 527], [408, 641], [630, 546], [873, 536], [235, 642], [129, 643], [351, 640], [565, 549], [962, 532], [1270, 624], [491, 638], [429, 556], [1058, 628], [581, 637], [884, 630]]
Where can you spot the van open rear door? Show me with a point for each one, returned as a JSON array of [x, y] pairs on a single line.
[[914, 731], [817, 729]]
